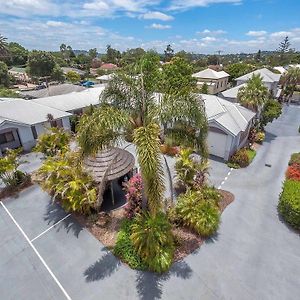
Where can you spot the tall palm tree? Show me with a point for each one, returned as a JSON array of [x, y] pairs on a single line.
[[289, 82], [254, 94], [131, 99], [3, 46]]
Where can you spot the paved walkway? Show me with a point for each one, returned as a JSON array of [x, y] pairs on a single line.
[[253, 256]]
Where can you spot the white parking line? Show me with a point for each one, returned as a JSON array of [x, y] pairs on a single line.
[[228, 174], [36, 252], [50, 228]]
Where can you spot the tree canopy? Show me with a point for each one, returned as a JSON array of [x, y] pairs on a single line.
[[40, 63]]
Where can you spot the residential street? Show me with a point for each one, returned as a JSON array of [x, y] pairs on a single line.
[[253, 256]]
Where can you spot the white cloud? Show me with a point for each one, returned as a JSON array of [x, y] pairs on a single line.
[[159, 26], [256, 33], [156, 15], [55, 23], [208, 39], [281, 34], [208, 32], [186, 4]]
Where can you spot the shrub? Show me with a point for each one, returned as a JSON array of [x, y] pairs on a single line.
[[197, 213], [9, 173], [124, 248], [260, 137], [295, 159], [134, 197], [211, 194], [241, 158], [53, 142], [64, 177], [153, 241], [289, 203], [293, 172]]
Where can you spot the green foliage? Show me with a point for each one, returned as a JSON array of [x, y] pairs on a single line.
[[295, 159], [190, 173], [251, 154], [289, 82], [3, 47], [199, 211], [271, 110], [40, 63], [18, 54], [65, 178], [148, 153], [238, 69], [254, 95], [204, 88], [54, 142], [260, 137], [153, 241], [4, 76], [7, 93], [9, 173], [73, 76], [241, 158], [289, 203], [132, 56], [124, 248], [58, 74], [177, 77], [112, 55]]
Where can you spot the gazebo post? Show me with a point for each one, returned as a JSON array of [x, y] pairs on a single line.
[[112, 193]]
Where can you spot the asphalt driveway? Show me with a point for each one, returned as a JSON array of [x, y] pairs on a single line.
[[46, 254]]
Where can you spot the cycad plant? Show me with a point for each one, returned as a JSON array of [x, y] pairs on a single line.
[[254, 94]]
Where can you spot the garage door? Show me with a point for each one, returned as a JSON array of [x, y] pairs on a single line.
[[216, 143]]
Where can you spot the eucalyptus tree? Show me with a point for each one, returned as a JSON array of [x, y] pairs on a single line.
[[130, 101], [254, 94]]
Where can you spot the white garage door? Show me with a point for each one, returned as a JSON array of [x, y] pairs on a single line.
[[216, 143]]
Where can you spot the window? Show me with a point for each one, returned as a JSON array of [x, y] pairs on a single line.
[[6, 137]]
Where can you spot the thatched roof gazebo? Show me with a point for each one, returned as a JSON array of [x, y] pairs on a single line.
[[108, 165]]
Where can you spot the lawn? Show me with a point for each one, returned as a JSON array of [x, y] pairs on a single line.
[[251, 153]]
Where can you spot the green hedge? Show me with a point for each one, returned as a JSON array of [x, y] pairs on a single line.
[[124, 248], [289, 203]]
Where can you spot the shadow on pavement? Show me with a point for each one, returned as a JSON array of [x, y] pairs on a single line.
[[269, 137], [148, 284], [54, 213]]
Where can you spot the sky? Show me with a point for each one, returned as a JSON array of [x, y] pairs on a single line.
[[199, 26]]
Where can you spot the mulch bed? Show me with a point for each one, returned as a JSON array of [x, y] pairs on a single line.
[[106, 226], [13, 191]]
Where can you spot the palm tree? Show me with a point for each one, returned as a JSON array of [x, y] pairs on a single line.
[[3, 46], [131, 99], [289, 82], [254, 94]]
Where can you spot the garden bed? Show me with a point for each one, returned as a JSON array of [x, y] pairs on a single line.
[[7, 192], [105, 228]]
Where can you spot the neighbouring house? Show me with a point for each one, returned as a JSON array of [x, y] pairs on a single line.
[[74, 103], [23, 121], [108, 67], [19, 74], [270, 79], [229, 125], [216, 81], [105, 78], [232, 94], [52, 90], [68, 69], [280, 69]]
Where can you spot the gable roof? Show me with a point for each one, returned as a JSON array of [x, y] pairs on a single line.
[[233, 92], [267, 75], [210, 74], [73, 101], [231, 116], [27, 112]]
